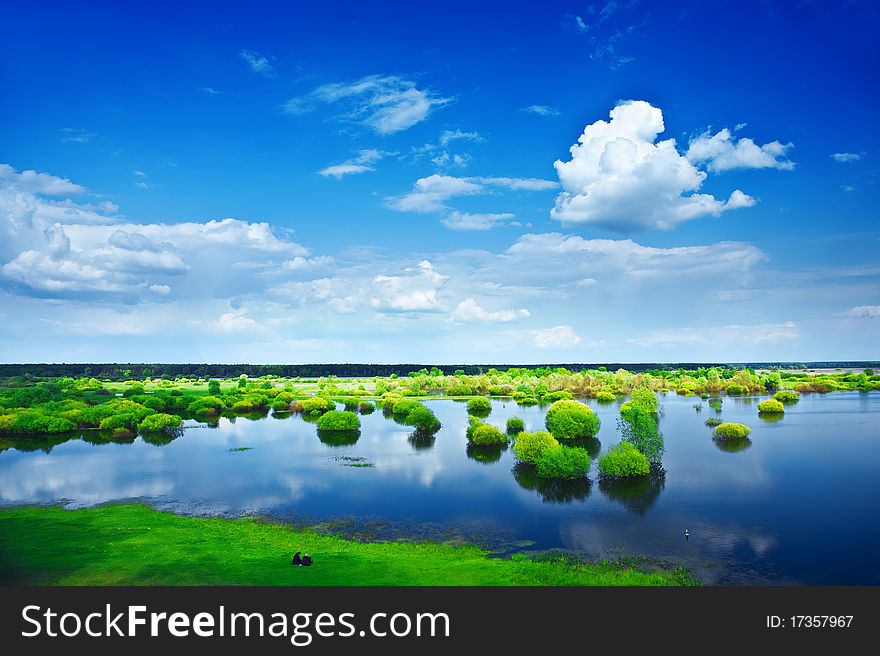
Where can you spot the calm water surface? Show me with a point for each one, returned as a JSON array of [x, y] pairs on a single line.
[[800, 504]]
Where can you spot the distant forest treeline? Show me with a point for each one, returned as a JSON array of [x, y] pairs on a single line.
[[120, 371]]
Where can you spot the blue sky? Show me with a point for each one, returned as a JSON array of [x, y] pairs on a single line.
[[471, 182]]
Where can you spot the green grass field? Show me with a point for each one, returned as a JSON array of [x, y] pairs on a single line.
[[136, 545]]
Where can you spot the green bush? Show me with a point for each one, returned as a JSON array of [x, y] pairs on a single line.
[[571, 420], [527, 400], [317, 405], [339, 420], [787, 396], [479, 405], [160, 422], [605, 397], [403, 407], [459, 390], [552, 397], [515, 425], [207, 406], [771, 407], [423, 418], [640, 428], [563, 462], [484, 434], [732, 431], [366, 407], [528, 447], [713, 421], [736, 390], [623, 461], [642, 398]]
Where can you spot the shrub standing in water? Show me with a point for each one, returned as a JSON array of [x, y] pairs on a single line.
[[640, 429], [479, 405], [423, 418], [732, 431], [571, 420], [563, 462], [483, 434], [771, 407], [623, 461], [528, 447], [339, 420], [787, 396], [160, 422], [605, 397], [515, 425]]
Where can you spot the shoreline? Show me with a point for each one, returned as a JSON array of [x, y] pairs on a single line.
[[133, 544]]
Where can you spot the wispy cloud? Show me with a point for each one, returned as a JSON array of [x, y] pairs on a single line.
[[362, 163], [463, 221], [210, 91], [141, 180], [76, 135], [431, 193], [847, 157], [386, 104], [257, 62], [540, 110]]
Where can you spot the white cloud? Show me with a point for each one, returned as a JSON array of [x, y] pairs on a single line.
[[520, 184], [386, 104], [765, 333], [619, 179], [38, 183], [847, 157], [430, 194], [579, 24], [863, 312], [209, 91], [847, 188], [722, 152], [59, 248], [562, 336], [236, 320], [540, 110], [362, 163], [448, 136], [469, 310], [258, 63], [300, 263], [76, 135], [414, 291], [477, 222]]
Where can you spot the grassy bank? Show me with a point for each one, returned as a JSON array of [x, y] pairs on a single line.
[[136, 545]]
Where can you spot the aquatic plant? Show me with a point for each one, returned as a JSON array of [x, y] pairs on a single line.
[[714, 421], [560, 395], [339, 420], [731, 431], [423, 418], [605, 397], [771, 407], [515, 425], [317, 405], [483, 434], [160, 422], [528, 447], [479, 405], [736, 390], [571, 419], [640, 429], [787, 396], [624, 461], [563, 462]]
